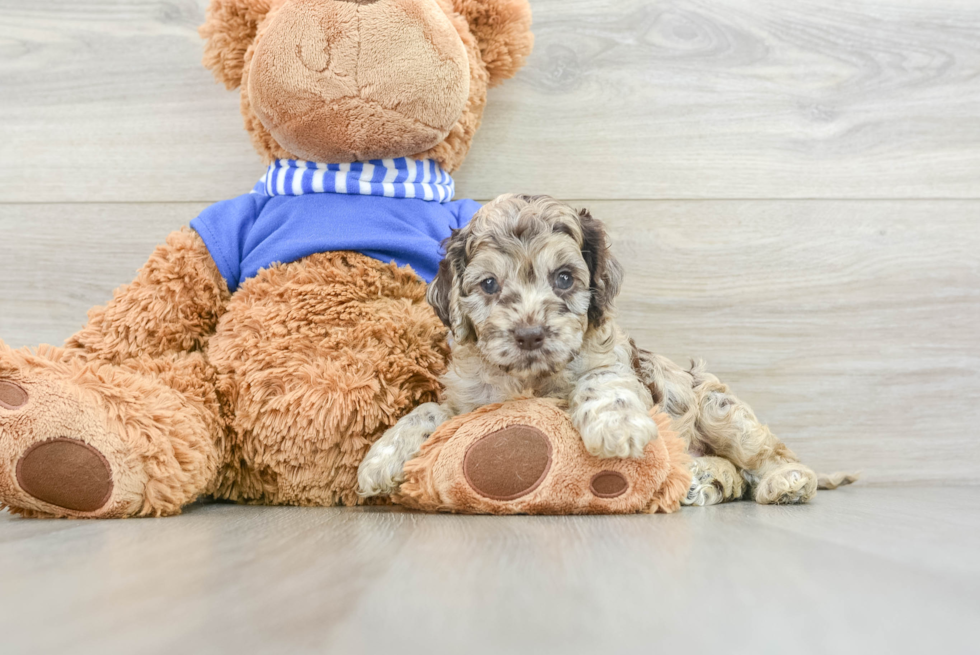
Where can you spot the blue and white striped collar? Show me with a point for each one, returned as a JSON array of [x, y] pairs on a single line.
[[392, 178]]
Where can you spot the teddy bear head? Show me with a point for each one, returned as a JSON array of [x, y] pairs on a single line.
[[339, 81]]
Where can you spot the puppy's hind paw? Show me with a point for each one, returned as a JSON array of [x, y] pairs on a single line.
[[789, 484], [713, 480]]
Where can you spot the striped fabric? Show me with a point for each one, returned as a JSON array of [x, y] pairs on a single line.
[[393, 178]]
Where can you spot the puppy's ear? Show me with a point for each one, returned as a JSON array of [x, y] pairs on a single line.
[[605, 273], [229, 28], [439, 292], [444, 291], [503, 32]]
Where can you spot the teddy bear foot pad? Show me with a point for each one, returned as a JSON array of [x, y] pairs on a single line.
[[58, 455], [513, 462], [524, 457], [509, 463], [60, 471], [66, 473]]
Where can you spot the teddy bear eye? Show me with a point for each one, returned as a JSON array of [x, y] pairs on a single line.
[[490, 285], [564, 280]]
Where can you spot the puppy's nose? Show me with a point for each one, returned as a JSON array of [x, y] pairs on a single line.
[[529, 338]]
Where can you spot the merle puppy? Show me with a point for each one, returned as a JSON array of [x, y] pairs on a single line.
[[526, 290]]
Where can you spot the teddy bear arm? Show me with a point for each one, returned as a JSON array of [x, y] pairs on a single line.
[[172, 306]]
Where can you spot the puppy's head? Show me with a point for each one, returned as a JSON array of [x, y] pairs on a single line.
[[525, 281]]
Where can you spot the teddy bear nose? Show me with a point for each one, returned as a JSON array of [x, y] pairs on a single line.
[[529, 338]]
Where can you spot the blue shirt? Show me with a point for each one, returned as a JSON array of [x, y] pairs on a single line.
[[289, 217]]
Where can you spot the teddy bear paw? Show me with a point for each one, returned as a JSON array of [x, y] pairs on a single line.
[[48, 463], [59, 456]]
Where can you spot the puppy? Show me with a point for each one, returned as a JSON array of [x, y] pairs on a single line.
[[527, 291]]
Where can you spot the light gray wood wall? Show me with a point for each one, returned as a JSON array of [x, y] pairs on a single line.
[[794, 188]]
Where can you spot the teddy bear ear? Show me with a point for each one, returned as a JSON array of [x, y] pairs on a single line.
[[502, 29], [229, 28]]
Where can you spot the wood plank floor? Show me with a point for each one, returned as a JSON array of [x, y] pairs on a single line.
[[861, 570]]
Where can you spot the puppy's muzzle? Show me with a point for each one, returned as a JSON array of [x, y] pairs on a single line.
[[529, 338]]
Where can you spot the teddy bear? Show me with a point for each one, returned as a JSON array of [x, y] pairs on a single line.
[[261, 350]]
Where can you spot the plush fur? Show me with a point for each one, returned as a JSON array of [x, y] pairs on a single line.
[[428, 105], [274, 393], [435, 479], [527, 290]]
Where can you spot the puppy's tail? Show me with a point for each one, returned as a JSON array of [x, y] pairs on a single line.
[[834, 480]]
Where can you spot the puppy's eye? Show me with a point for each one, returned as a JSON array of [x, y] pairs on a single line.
[[564, 280], [490, 286]]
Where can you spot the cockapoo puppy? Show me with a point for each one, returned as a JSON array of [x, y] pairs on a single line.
[[526, 290]]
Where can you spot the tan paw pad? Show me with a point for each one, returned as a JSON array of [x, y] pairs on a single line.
[[12, 396]]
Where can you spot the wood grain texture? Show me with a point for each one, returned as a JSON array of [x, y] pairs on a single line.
[[107, 101], [872, 570], [57, 261], [850, 326]]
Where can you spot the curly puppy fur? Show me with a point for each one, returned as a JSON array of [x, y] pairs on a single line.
[[527, 291]]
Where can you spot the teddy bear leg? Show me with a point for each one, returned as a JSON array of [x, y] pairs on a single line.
[[172, 306], [325, 354], [94, 440], [123, 421]]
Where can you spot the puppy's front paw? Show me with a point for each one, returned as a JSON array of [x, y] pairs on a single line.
[[617, 433], [381, 472]]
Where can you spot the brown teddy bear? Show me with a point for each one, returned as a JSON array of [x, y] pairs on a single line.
[[258, 355]]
